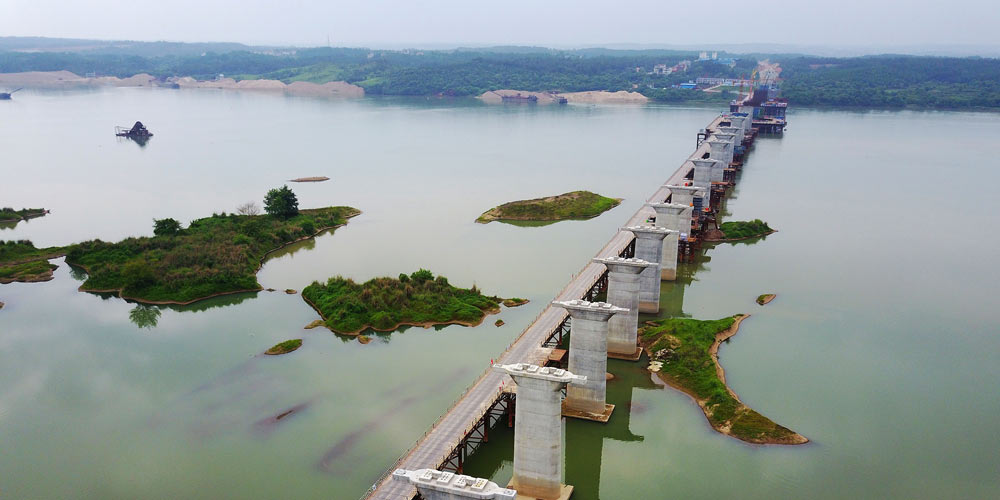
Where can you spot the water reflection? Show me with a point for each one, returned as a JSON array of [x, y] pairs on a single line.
[[144, 316]]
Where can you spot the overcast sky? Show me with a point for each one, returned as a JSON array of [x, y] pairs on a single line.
[[882, 23]]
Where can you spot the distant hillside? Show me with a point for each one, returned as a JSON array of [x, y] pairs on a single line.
[[871, 81]]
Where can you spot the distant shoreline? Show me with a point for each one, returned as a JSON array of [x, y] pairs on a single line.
[[66, 79]]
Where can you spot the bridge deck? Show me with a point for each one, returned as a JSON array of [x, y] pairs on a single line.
[[435, 446]]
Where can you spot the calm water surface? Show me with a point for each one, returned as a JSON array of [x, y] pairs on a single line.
[[878, 348]]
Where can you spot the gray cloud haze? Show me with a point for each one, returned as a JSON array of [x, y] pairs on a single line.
[[842, 23]]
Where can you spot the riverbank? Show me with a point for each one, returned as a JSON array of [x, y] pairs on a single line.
[[66, 80], [685, 353]]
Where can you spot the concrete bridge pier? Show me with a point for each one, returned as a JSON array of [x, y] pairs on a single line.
[[588, 356], [739, 122], [649, 247], [538, 429], [623, 291], [668, 216], [703, 179], [730, 140], [737, 133], [437, 485], [719, 153], [684, 195]]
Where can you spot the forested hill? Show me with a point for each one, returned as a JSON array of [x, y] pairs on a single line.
[[874, 81], [893, 81]]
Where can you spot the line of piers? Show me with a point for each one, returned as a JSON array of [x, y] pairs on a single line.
[[541, 384]]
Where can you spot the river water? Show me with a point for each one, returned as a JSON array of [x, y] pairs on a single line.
[[879, 348]]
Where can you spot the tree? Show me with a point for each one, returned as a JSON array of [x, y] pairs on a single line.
[[248, 208], [281, 202], [166, 227]]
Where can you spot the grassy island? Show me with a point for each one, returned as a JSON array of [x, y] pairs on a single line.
[[574, 205], [284, 347], [214, 256], [384, 304], [684, 355], [8, 214], [514, 302], [21, 261], [740, 230], [765, 298]]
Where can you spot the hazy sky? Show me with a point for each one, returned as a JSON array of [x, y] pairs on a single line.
[[541, 22]]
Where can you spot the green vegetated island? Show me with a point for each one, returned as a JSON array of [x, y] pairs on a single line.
[[384, 304], [739, 230], [765, 298], [8, 214], [567, 206], [284, 347], [21, 261], [683, 353], [213, 256]]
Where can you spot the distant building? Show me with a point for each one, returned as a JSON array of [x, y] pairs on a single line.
[[688, 85]]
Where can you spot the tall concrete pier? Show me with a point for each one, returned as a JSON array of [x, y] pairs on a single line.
[[538, 456], [623, 291], [703, 179], [684, 195], [737, 133], [744, 122], [731, 149], [668, 216], [719, 153], [649, 247], [437, 485], [588, 356]]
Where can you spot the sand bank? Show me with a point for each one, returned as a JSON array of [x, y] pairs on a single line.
[[66, 79], [588, 97]]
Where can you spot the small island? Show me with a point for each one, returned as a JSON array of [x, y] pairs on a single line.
[[765, 298], [213, 256], [284, 347], [739, 230], [384, 304], [20, 261], [514, 302], [310, 179], [684, 354], [567, 206], [8, 214]]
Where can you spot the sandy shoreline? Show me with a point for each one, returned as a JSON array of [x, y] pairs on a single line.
[[66, 79]]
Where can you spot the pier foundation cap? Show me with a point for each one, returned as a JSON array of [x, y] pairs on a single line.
[[434, 484]]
